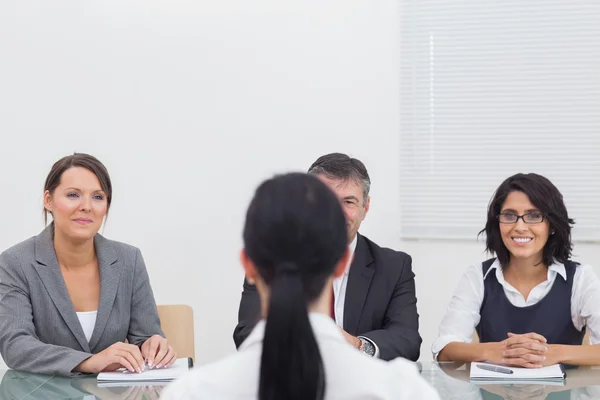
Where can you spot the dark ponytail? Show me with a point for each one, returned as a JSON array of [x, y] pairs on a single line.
[[295, 234], [291, 365]]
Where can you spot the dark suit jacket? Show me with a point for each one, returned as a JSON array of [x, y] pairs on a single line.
[[380, 302]]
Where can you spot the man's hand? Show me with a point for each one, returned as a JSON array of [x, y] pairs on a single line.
[[353, 340]]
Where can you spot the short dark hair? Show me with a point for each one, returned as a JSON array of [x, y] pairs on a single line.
[[548, 199], [343, 167], [295, 234], [82, 160]]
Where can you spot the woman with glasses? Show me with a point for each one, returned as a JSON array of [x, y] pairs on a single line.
[[531, 304], [295, 244]]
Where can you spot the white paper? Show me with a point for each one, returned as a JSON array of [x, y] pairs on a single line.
[[551, 372], [178, 368]]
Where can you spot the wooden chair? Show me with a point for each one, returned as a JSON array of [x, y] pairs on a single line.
[[177, 322]]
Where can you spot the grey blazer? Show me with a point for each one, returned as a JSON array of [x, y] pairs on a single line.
[[39, 329]]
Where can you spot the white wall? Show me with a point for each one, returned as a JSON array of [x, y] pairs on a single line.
[[190, 104]]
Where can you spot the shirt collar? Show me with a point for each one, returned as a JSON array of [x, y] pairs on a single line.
[[556, 267], [322, 325]]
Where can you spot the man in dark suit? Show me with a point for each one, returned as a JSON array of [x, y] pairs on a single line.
[[374, 301]]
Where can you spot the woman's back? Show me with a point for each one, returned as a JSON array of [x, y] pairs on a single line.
[[348, 373], [295, 244]]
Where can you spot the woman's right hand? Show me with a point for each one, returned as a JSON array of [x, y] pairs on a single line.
[[526, 350], [118, 355]]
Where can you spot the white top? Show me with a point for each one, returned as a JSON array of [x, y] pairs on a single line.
[[349, 374], [463, 316], [87, 319]]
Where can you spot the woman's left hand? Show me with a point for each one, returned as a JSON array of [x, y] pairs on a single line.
[[158, 353]]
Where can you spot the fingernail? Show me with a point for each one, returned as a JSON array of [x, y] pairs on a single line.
[[150, 364], [131, 370]]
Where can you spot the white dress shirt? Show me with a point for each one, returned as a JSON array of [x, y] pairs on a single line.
[[339, 287], [339, 294], [463, 316], [349, 374]]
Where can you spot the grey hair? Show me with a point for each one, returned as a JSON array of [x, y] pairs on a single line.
[[343, 167]]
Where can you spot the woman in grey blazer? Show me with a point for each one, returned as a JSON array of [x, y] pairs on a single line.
[[70, 297]]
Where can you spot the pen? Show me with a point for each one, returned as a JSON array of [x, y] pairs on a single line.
[[493, 368]]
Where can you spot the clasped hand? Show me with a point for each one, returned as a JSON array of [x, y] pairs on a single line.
[[529, 350]]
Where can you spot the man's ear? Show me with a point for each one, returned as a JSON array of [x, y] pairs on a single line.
[[249, 267], [341, 265]]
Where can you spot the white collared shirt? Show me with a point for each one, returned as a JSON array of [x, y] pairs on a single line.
[[339, 293], [348, 374], [463, 316], [339, 286]]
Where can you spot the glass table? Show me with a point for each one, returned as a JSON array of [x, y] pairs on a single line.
[[450, 380], [15, 385]]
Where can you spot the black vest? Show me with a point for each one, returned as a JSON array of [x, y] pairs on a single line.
[[550, 317]]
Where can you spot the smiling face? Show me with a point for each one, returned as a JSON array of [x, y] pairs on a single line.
[[78, 204], [351, 197], [523, 240]]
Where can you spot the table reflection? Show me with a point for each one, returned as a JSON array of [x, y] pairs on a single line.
[[17, 385], [451, 380]]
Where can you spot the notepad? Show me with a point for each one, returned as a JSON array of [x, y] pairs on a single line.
[[145, 384], [179, 367], [490, 373]]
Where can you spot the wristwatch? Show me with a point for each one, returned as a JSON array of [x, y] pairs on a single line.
[[366, 347]]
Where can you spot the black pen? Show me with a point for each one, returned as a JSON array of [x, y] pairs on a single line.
[[494, 368]]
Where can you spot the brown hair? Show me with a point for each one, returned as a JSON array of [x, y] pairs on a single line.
[[545, 196], [82, 160]]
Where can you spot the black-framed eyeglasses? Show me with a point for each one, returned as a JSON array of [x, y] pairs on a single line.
[[529, 218]]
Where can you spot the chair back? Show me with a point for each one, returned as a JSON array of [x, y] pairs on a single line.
[[177, 322]]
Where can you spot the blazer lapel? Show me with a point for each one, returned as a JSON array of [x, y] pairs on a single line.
[[47, 268], [110, 273], [359, 281]]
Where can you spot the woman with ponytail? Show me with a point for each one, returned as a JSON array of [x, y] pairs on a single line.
[[295, 244]]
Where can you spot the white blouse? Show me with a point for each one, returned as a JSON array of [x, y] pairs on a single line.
[[463, 316], [87, 319], [349, 374]]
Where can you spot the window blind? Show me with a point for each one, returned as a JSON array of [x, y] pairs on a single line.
[[489, 89]]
